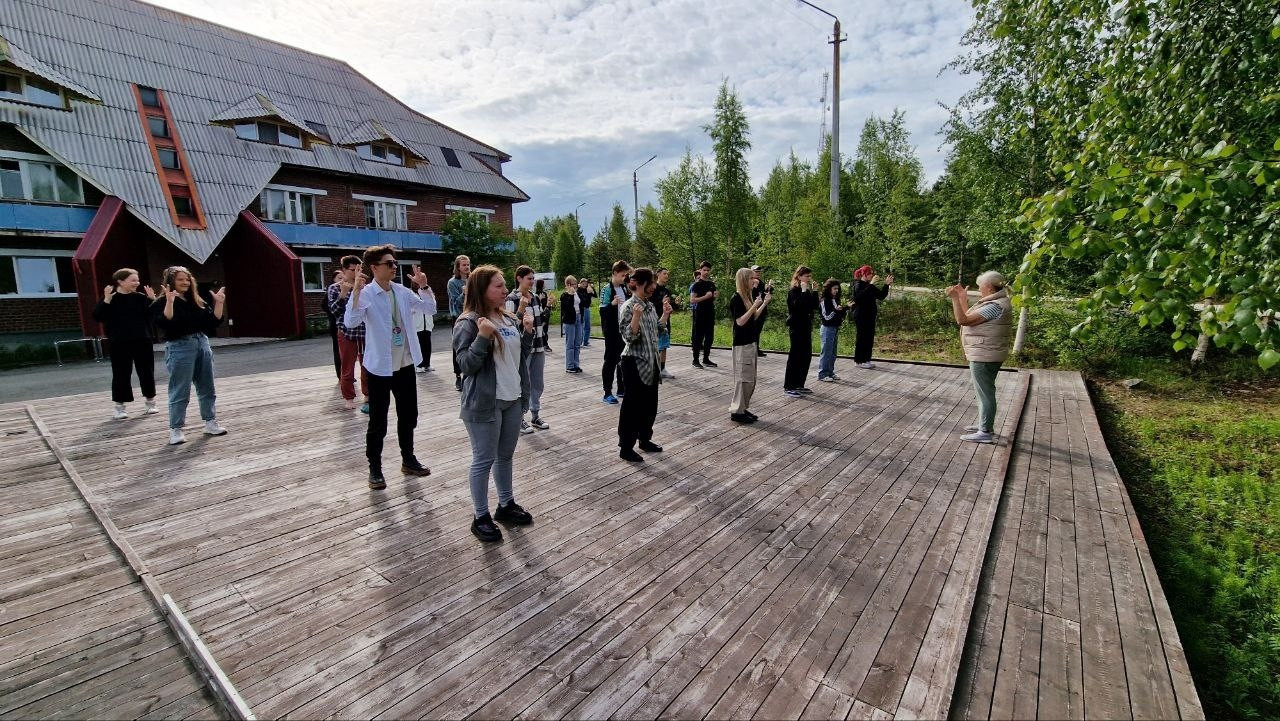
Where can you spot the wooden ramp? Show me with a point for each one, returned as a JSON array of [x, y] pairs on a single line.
[[1071, 621], [79, 636], [821, 563]]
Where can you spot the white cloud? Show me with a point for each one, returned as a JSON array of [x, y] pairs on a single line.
[[582, 91]]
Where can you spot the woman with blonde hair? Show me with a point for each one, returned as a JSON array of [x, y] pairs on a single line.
[[187, 319], [570, 315], [487, 341], [745, 313], [984, 333]]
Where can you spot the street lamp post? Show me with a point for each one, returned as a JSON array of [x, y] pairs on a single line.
[[635, 194], [575, 210], [835, 110]]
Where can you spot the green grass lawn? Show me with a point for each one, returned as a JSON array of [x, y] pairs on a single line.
[[1199, 450]]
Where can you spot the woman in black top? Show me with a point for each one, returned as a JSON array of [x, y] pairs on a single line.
[[831, 316], [745, 313], [540, 290], [570, 304], [866, 303], [124, 312], [587, 298], [186, 319], [801, 302]]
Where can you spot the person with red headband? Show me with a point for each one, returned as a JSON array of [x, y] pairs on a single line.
[[866, 299]]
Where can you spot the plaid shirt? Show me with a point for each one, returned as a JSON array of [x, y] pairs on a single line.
[[338, 307], [643, 345]]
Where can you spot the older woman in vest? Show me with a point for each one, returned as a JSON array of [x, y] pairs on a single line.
[[984, 333]]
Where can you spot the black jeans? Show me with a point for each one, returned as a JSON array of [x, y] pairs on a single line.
[[799, 356], [866, 326], [424, 341], [402, 385], [125, 356], [613, 346], [639, 407], [704, 331]]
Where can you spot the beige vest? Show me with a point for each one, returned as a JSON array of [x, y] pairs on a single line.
[[989, 342]]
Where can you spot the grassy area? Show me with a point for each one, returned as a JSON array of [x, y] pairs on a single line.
[[1199, 450]]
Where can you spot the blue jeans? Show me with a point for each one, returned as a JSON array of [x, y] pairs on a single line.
[[584, 327], [493, 444], [189, 360], [827, 358], [571, 349]]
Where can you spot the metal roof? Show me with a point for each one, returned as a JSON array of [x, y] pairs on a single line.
[[371, 131], [18, 58], [103, 47]]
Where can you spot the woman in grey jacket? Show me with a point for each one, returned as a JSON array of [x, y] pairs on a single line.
[[488, 345]]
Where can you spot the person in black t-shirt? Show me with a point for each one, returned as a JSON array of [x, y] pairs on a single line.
[[126, 315], [187, 318], [802, 301], [757, 290], [660, 294], [613, 296], [702, 298], [745, 313]]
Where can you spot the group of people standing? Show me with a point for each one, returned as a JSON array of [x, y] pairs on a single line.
[[500, 345]]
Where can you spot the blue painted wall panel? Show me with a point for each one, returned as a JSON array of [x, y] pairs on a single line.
[[340, 237], [47, 218]]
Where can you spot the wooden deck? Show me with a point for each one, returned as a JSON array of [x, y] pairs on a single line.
[[821, 563]]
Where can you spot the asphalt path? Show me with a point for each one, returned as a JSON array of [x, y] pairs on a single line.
[[47, 381]]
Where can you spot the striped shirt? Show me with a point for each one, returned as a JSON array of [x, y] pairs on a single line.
[[991, 311], [642, 345]]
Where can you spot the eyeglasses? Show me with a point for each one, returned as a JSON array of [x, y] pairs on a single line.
[[388, 263]]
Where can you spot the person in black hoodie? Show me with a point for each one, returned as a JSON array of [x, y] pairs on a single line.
[[187, 318], [866, 304], [832, 315], [613, 296], [125, 314], [801, 302]]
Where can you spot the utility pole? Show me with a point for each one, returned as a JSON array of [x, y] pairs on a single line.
[[575, 213], [635, 194], [822, 104], [836, 39]]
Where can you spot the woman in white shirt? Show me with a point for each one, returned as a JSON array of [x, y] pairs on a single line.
[[487, 343]]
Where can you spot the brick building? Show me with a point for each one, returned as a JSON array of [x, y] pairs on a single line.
[[135, 136]]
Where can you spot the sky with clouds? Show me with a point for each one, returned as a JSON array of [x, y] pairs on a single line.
[[580, 92]]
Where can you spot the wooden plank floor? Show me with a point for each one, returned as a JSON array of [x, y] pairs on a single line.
[[1070, 621], [821, 563], [79, 635]]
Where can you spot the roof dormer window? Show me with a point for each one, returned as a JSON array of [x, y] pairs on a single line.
[[264, 132], [29, 89], [381, 153]]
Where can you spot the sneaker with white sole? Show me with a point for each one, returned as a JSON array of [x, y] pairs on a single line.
[[828, 379], [150, 408], [792, 392], [213, 428], [525, 428], [419, 369], [979, 437], [119, 412], [176, 437], [666, 373], [868, 364], [540, 424]]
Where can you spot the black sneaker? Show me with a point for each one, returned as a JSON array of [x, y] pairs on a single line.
[[628, 454], [457, 383], [376, 481], [484, 529], [707, 362], [696, 364], [512, 513], [650, 447], [411, 467], [740, 418], [751, 415]]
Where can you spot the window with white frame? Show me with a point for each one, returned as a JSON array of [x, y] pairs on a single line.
[[313, 280], [264, 132], [29, 89], [22, 178], [381, 153], [385, 215], [482, 212], [290, 206], [33, 274]]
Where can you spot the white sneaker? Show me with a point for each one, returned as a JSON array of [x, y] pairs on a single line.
[[151, 409], [213, 428], [419, 369], [119, 413], [978, 437], [176, 437], [431, 369], [666, 373], [828, 379], [868, 364], [525, 428]]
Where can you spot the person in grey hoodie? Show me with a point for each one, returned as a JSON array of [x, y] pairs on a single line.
[[489, 345]]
